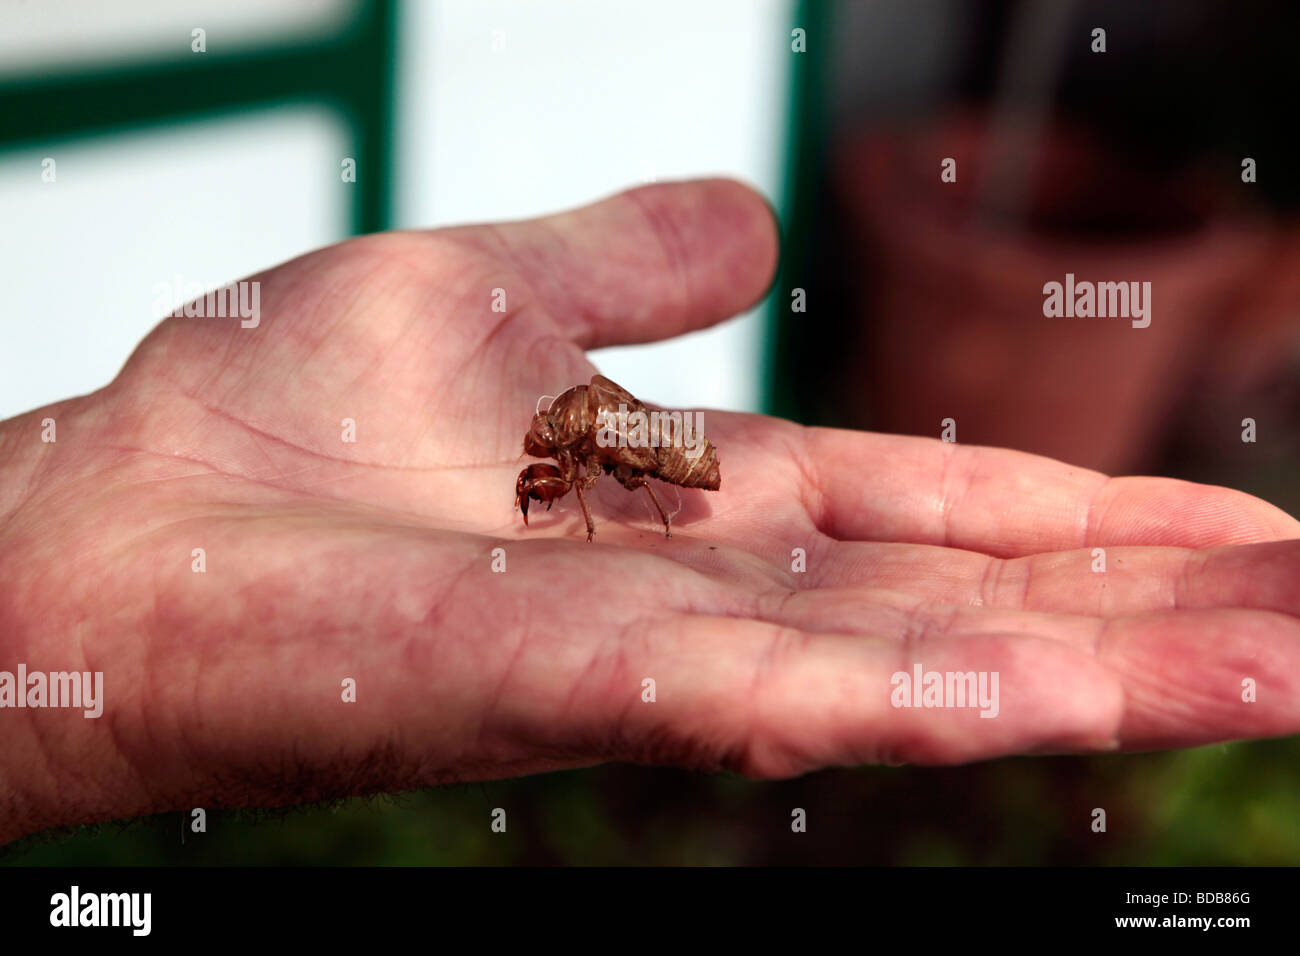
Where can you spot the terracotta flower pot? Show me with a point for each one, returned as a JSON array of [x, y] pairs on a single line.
[[952, 289]]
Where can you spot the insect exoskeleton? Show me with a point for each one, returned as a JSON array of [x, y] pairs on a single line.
[[602, 428]]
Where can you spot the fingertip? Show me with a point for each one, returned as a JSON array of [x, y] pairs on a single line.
[[1166, 511], [724, 236]]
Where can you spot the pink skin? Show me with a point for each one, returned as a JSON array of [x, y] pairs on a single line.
[[374, 560]]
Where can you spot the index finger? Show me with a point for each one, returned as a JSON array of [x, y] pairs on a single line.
[[870, 487]]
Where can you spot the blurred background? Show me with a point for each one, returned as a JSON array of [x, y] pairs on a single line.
[[150, 150]]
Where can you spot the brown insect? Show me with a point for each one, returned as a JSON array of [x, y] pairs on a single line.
[[597, 427]]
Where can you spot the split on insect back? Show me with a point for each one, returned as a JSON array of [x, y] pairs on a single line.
[[601, 428]]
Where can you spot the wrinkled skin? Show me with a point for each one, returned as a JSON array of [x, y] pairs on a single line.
[[372, 560]]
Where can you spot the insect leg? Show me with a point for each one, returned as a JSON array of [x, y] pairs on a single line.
[[586, 512], [668, 530], [594, 470]]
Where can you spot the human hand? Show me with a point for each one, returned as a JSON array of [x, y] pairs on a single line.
[[372, 560]]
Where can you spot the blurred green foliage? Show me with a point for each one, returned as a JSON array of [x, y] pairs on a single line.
[[1222, 805]]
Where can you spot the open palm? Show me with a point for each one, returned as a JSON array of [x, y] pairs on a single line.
[[770, 624]]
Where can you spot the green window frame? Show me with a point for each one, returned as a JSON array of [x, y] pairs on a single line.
[[350, 71]]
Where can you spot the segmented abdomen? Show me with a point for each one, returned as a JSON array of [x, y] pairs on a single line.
[[678, 468]]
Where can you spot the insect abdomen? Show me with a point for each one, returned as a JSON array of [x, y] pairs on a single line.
[[700, 471]]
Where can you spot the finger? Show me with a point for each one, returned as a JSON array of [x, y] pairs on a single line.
[[647, 264], [1189, 677], [769, 701], [871, 487], [1198, 677], [1112, 582], [900, 617]]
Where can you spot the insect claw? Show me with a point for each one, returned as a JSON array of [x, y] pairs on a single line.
[[539, 483]]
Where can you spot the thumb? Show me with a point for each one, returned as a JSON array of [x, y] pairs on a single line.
[[646, 264]]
